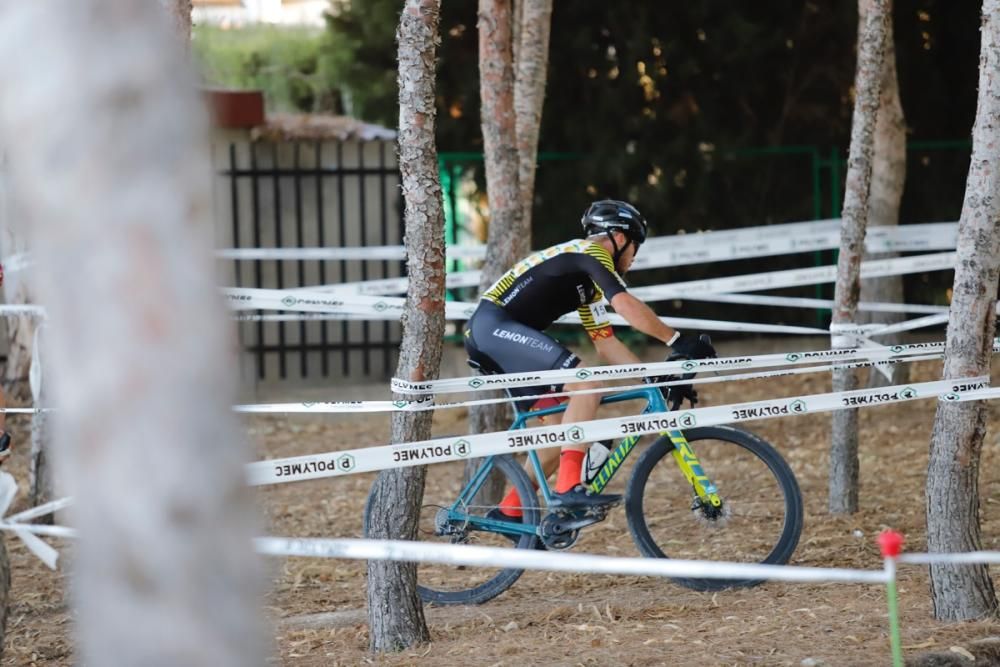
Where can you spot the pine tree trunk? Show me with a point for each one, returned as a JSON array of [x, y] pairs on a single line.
[[529, 96], [888, 178], [395, 614], [508, 240], [843, 496], [966, 592], [116, 192]]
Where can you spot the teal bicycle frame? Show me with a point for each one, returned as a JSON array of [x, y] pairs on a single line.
[[684, 456]]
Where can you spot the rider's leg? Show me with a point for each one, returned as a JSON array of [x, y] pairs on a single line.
[[568, 460], [582, 407]]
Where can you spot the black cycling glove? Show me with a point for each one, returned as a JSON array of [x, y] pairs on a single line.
[[693, 346]]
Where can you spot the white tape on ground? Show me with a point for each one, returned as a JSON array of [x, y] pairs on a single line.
[[440, 450], [477, 556]]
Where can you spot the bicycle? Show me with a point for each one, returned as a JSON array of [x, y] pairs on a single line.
[[730, 515]]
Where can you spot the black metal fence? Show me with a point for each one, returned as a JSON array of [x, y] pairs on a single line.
[[301, 195]]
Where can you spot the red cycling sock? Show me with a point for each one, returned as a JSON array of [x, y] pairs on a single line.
[[570, 465], [511, 504]]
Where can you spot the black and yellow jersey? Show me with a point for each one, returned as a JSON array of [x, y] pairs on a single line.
[[577, 275]]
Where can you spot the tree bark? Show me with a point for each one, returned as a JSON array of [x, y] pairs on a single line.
[[116, 195], [966, 592], [395, 614], [529, 96], [507, 240], [888, 178], [843, 497]]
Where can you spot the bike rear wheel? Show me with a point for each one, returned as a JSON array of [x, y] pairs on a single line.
[[761, 517], [443, 520]]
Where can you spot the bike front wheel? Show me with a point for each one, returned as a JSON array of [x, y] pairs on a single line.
[[760, 520]]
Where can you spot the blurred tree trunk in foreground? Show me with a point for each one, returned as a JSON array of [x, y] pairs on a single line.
[[180, 10], [962, 592], [395, 613], [873, 26], [108, 145]]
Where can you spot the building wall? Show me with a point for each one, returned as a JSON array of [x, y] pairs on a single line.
[[235, 13]]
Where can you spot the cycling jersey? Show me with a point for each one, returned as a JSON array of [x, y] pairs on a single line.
[[504, 334], [552, 282]]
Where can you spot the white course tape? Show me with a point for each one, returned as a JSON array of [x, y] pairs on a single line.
[[396, 252], [245, 298], [21, 310], [965, 558], [477, 556], [795, 277], [801, 302], [39, 529], [674, 250], [709, 247], [308, 317], [627, 371], [26, 533], [329, 464], [313, 301], [428, 403], [40, 510]]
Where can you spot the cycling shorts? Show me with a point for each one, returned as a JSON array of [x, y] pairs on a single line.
[[500, 344]]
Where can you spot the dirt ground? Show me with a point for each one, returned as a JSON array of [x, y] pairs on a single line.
[[561, 619]]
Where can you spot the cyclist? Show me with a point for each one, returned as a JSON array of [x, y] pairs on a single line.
[[504, 334]]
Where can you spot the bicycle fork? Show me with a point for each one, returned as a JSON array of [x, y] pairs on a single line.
[[705, 490]]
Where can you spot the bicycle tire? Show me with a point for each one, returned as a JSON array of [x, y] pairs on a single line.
[[431, 579], [743, 460]]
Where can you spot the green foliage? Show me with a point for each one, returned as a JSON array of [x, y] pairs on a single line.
[[669, 104], [359, 56], [285, 63]]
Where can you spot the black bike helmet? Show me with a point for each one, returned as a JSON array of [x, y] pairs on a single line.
[[610, 215]]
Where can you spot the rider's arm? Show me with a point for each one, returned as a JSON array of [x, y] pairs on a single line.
[[641, 316]]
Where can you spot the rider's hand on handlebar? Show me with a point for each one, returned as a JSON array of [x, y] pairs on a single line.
[[692, 346], [677, 394]]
